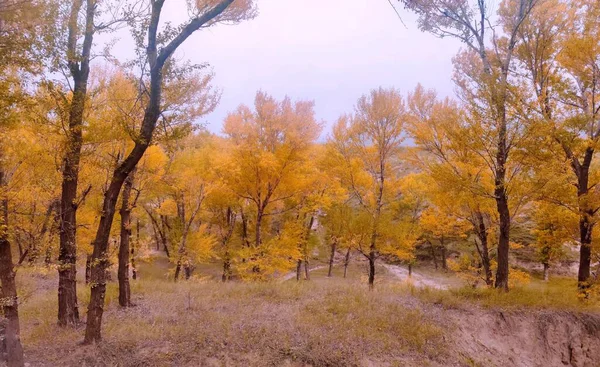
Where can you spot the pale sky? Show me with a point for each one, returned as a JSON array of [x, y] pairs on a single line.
[[329, 51]]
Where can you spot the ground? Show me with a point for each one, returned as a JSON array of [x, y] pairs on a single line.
[[321, 322]]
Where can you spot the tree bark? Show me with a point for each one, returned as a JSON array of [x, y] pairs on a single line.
[[299, 270], [68, 309], [137, 241], [10, 302], [123, 270], [88, 269], [484, 253], [306, 269], [371, 258], [332, 255], [435, 263], [443, 249], [226, 270], [346, 262], [177, 270], [546, 272], [586, 224]]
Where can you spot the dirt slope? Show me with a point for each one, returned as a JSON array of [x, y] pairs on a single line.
[[528, 339]]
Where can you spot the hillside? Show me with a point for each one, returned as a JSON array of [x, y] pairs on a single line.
[[322, 322]]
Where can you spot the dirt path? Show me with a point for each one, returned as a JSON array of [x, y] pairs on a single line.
[[418, 280]]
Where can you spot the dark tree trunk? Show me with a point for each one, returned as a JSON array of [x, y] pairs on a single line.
[[371, 258], [435, 263], [331, 257], [258, 228], [88, 269], [152, 112], [346, 262], [586, 224], [484, 252], [410, 269], [10, 304], [123, 270], [443, 249], [157, 239], [298, 270], [137, 241], [546, 272], [306, 269], [503, 242], [177, 270], [187, 270], [68, 309], [226, 270], [245, 238]]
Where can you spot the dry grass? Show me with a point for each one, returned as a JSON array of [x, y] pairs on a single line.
[[331, 322], [324, 322], [557, 294]]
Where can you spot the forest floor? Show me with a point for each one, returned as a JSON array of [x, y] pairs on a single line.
[[322, 322]]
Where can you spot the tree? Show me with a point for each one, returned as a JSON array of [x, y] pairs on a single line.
[[559, 55], [78, 63], [19, 24], [267, 164], [205, 13], [483, 77], [440, 223], [553, 230], [367, 145], [453, 172]]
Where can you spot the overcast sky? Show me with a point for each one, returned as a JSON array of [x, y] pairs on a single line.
[[329, 51]]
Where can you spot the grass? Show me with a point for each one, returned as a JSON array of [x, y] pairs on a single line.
[[321, 323], [324, 322], [557, 294]]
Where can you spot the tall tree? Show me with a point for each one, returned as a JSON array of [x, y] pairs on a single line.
[[20, 22], [368, 144], [78, 62], [205, 13], [559, 54], [483, 77]]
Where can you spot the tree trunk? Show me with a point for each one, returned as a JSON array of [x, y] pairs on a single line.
[[123, 270], [257, 234], [585, 251], [226, 270], [306, 269], [546, 272], [137, 241], [503, 242], [443, 248], [586, 225], [298, 270], [10, 304], [484, 252], [157, 239], [245, 238], [371, 270], [435, 263], [333, 247], [346, 262], [177, 270], [88, 269], [78, 62]]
